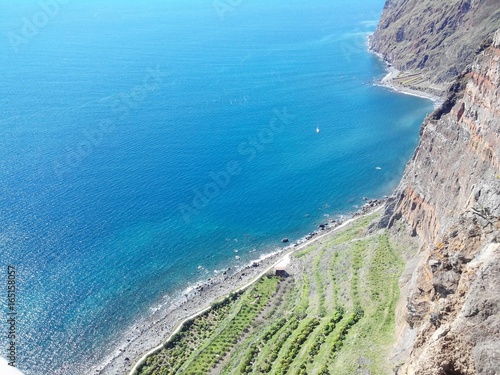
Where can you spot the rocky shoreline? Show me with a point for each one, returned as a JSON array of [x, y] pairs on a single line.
[[141, 339], [389, 81]]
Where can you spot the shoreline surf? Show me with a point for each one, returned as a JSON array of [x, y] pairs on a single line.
[[131, 351], [388, 82]]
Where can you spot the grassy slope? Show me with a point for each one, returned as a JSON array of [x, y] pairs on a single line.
[[334, 315]]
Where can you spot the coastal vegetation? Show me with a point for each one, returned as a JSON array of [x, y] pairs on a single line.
[[333, 315]]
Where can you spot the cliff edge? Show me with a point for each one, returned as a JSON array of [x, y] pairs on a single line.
[[432, 42], [449, 200]]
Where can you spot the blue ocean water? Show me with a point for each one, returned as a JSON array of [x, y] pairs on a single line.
[[139, 140]]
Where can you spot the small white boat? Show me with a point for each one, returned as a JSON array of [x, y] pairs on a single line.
[[317, 129]]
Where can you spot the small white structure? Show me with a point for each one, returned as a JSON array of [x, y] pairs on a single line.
[[281, 268]]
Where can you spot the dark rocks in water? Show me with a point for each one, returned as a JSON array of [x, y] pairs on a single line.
[[310, 235], [285, 240], [255, 264], [322, 226]]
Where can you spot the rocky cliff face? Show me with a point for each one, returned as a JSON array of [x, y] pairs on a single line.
[[449, 198], [434, 39]]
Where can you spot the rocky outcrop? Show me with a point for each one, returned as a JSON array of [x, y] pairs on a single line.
[[435, 39], [449, 198]]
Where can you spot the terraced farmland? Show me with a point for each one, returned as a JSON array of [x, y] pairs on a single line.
[[333, 315]]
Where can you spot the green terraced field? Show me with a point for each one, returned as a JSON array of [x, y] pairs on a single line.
[[333, 315]]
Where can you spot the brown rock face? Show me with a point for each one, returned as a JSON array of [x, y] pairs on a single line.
[[450, 198], [435, 38]]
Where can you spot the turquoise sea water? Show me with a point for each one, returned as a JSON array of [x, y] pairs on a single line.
[[139, 140]]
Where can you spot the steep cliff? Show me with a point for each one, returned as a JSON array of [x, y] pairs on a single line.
[[434, 41], [449, 199]]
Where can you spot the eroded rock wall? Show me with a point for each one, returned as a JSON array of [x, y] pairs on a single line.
[[435, 38], [449, 198]]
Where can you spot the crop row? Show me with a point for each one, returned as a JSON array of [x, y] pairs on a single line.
[[338, 341], [357, 263], [325, 332], [339, 338], [303, 303], [219, 345], [216, 331], [275, 347], [320, 287], [334, 278], [185, 341], [254, 350], [295, 346]]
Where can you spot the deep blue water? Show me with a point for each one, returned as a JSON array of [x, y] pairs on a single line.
[[116, 116]]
